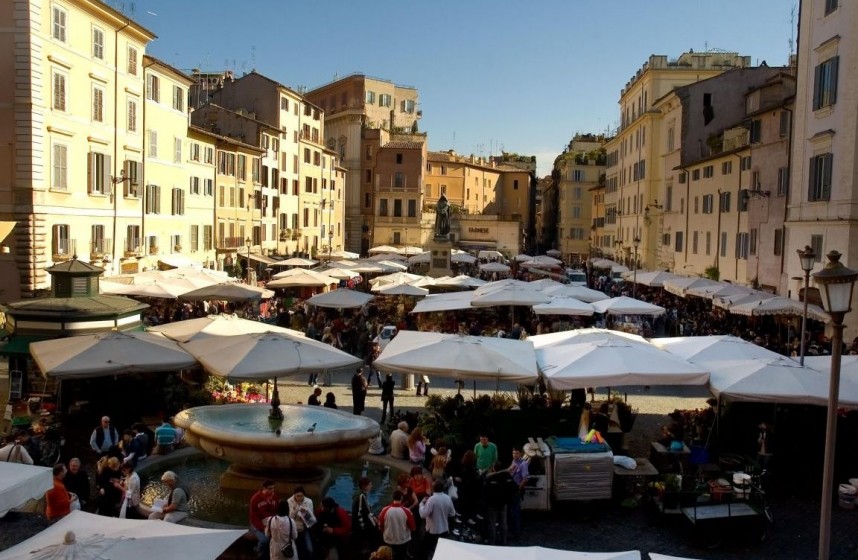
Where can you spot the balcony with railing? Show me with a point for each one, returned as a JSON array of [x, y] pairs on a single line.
[[100, 247]]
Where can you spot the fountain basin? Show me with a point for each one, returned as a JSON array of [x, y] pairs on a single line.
[[243, 435]]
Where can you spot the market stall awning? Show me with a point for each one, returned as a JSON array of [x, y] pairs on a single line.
[[627, 306], [21, 483], [444, 302], [342, 298]]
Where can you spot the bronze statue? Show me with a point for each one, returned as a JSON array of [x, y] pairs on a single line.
[[442, 217]]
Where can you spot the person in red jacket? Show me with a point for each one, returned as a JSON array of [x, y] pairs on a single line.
[[58, 499], [334, 528], [263, 504]]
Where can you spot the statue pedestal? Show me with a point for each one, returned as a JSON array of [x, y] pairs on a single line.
[[440, 251]]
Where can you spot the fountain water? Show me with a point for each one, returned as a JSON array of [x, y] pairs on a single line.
[[291, 449]]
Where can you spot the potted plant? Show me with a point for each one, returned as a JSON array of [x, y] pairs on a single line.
[[672, 489]]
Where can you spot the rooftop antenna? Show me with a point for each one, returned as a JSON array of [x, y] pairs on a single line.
[[133, 9], [253, 56], [791, 41]]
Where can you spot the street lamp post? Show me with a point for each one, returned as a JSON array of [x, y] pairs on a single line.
[[247, 241], [636, 242], [807, 258], [837, 283]]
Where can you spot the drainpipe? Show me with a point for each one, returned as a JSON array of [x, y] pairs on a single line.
[[718, 236], [739, 215], [789, 186], [687, 211], [142, 180], [114, 261]]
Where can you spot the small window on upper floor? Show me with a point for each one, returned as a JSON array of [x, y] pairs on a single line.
[[178, 98], [399, 159], [132, 61], [59, 19], [97, 43], [831, 5]]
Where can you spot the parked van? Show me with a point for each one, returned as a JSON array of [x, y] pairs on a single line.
[[576, 277]]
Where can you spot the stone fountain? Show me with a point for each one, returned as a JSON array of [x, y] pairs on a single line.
[[291, 448]]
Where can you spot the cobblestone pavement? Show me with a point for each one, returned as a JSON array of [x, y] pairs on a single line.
[[602, 527]]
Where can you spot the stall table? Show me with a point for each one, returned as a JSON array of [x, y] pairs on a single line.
[[628, 482]]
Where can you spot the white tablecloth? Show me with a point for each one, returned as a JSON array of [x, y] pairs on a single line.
[[21, 483]]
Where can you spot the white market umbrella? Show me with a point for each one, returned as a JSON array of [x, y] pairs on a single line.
[[392, 279], [724, 302], [110, 353], [578, 292], [444, 302], [87, 536], [698, 349], [546, 260], [705, 290], [502, 285], [341, 273], [367, 267], [779, 306], [462, 281], [387, 257], [341, 254], [266, 355], [455, 550], [216, 325], [295, 261], [727, 290], [494, 267], [391, 266], [564, 306], [424, 257], [409, 250], [382, 249], [403, 290], [424, 282], [680, 285], [780, 380], [627, 306], [619, 268], [605, 264], [848, 364], [580, 336], [614, 362], [654, 279], [342, 298], [21, 483], [302, 278], [545, 283], [459, 357], [512, 295], [553, 253], [462, 258], [227, 292], [155, 290], [522, 258]]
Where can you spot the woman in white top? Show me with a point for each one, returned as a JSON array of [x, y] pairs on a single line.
[[281, 532], [302, 513], [130, 487]]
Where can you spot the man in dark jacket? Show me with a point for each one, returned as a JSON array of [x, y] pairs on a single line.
[[499, 490], [358, 392], [387, 396]]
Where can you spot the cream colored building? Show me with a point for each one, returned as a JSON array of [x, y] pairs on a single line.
[[633, 174], [177, 205], [577, 171], [353, 106], [821, 208], [306, 171], [71, 109]]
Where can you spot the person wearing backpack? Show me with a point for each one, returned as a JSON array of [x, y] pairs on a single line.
[[281, 533]]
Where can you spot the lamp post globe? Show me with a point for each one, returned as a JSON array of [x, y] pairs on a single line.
[[807, 258]]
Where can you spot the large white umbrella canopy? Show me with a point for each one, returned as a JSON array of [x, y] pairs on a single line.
[[494, 267], [578, 292], [21, 483], [87, 536], [614, 362], [603, 263], [424, 257], [367, 267], [216, 325], [564, 306], [678, 286], [779, 306], [580, 336], [545, 283], [740, 298], [779, 380], [461, 281], [444, 302], [654, 279], [725, 290], [545, 260], [627, 306], [387, 257], [391, 266], [267, 355], [463, 258], [848, 364], [619, 268], [512, 295], [502, 285], [110, 353], [227, 292], [392, 279], [295, 261], [302, 278], [342, 298], [459, 356], [382, 249], [522, 258], [341, 254], [425, 281], [698, 349], [161, 290], [705, 290], [340, 273], [403, 290], [454, 550], [409, 250]]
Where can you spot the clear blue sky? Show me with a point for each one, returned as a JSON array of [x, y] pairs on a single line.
[[492, 75]]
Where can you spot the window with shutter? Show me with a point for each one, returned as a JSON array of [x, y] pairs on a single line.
[[97, 104], [59, 92], [59, 179], [819, 184], [132, 61], [132, 115]]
